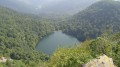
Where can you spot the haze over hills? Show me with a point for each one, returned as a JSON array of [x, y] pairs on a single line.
[[47, 6], [94, 20], [20, 33]]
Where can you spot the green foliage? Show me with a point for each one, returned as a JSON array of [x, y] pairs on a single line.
[[19, 35], [83, 53], [70, 57], [101, 46], [11, 63], [91, 22]]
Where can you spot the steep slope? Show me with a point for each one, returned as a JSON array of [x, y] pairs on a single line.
[[19, 34], [92, 21], [103, 12], [87, 51]]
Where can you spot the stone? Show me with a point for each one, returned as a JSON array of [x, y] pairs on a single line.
[[102, 61]]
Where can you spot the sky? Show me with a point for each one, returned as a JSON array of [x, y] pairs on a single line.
[[41, 3], [47, 5], [37, 3]]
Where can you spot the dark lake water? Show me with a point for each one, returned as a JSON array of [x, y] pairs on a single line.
[[57, 39]]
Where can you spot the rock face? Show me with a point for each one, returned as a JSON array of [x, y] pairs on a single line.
[[3, 59], [102, 61]]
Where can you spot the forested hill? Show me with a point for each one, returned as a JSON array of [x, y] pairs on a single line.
[[92, 21], [19, 35], [103, 11]]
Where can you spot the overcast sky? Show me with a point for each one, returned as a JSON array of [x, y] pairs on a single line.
[[41, 3], [47, 5], [37, 3]]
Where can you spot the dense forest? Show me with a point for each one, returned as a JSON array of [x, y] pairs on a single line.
[[20, 33], [94, 20], [87, 50]]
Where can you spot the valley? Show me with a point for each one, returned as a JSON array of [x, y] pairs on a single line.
[[60, 40]]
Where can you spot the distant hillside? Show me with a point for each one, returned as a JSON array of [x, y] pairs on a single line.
[[47, 6], [19, 34], [103, 12], [94, 20]]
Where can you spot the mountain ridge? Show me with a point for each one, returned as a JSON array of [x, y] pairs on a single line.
[[97, 18], [62, 7]]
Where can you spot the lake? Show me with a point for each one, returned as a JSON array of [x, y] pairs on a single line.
[[57, 39]]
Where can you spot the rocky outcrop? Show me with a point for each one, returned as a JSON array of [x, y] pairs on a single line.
[[3, 59], [102, 61]]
